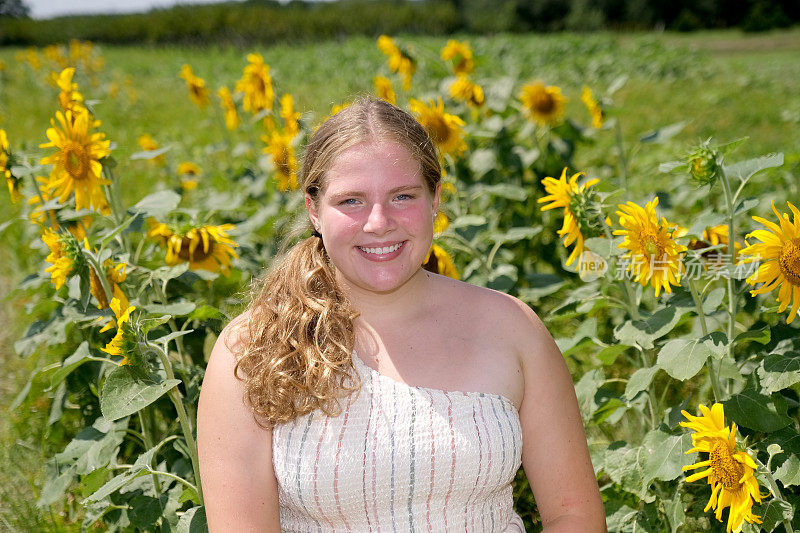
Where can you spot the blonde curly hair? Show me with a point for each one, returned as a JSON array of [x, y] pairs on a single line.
[[295, 341]]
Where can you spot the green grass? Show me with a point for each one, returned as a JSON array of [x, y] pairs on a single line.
[[725, 84]]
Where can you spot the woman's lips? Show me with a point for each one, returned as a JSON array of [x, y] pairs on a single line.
[[381, 253]]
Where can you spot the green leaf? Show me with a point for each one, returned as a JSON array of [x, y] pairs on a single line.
[[115, 483], [623, 465], [756, 411], [193, 521], [93, 480], [746, 204], [106, 238], [144, 511], [516, 234], [157, 204], [468, 220], [206, 312], [683, 358], [168, 337], [127, 390], [744, 170], [80, 356], [761, 336], [95, 446], [167, 273], [789, 472], [663, 134], [175, 309], [673, 508], [778, 371], [151, 154], [587, 329], [609, 354], [773, 512], [189, 494], [482, 161], [55, 488], [639, 381], [644, 331], [665, 455], [505, 190], [586, 388]]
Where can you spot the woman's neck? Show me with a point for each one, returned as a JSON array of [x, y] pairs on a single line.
[[404, 303]]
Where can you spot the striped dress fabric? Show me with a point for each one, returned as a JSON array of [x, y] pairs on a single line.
[[400, 458]]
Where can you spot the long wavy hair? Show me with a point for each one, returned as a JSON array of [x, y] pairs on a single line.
[[294, 342]]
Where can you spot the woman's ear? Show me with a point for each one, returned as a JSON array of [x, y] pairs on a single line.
[[312, 211]]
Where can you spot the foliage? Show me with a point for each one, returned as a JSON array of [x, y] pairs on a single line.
[[639, 359]]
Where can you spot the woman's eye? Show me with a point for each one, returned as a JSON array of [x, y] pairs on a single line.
[[348, 201], [405, 196]]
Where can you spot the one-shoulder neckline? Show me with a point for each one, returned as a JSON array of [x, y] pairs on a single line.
[[479, 394]]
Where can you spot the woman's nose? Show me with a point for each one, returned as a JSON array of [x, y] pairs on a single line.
[[379, 220]]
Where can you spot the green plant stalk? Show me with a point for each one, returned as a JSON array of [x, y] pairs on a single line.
[[162, 292], [148, 444], [623, 160], [102, 277], [776, 492], [726, 186], [186, 425], [716, 387]]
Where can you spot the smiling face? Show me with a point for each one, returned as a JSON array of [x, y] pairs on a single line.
[[375, 214]]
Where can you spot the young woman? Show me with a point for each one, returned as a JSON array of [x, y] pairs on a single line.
[[360, 392]]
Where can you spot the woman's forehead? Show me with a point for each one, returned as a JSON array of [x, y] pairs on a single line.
[[373, 164]]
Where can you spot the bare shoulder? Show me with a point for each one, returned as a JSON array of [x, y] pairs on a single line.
[[499, 312]]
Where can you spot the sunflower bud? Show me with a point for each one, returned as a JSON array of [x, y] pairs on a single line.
[[585, 205], [704, 164]]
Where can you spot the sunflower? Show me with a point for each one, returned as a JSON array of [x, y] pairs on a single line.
[[65, 256], [543, 104], [440, 223], [438, 261], [279, 146], [445, 129], [69, 98], [712, 236], [226, 101], [461, 53], [124, 341], [115, 274], [204, 248], [654, 255], [198, 91], [580, 211], [256, 84], [5, 163], [76, 164], [779, 253], [188, 172], [399, 60], [729, 472], [594, 108], [383, 87], [465, 90], [289, 115]]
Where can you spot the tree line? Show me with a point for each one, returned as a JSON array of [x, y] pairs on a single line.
[[267, 21]]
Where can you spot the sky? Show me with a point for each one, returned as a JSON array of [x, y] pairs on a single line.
[[53, 8]]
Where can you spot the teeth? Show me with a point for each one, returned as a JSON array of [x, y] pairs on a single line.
[[384, 250]]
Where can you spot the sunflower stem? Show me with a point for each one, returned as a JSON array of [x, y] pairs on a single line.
[[726, 186], [98, 270], [773, 488], [186, 425], [148, 444], [716, 387], [623, 160]]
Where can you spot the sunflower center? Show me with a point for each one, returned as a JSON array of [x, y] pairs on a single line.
[[198, 254], [543, 102], [726, 469], [76, 160], [789, 261], [651, 246], [438, 129]]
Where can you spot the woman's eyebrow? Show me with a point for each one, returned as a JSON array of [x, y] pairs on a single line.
[[391, 191]]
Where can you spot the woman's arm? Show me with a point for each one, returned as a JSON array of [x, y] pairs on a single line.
[[239, 486], [554, 451]]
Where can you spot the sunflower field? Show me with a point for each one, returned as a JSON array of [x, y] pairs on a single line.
[[148, 187]]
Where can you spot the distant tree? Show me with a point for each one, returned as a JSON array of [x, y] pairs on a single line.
[[13, 9]]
